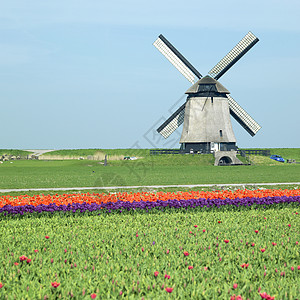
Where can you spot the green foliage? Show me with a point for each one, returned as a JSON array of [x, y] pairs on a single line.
[[14, 152], [151, 171], [287, 153], [103, 254], [86, 152]]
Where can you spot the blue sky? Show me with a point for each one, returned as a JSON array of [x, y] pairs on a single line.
[[84, 74]]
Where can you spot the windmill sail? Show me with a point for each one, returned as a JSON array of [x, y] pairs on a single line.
[[173, 122], [242, 117], [176, 59], [247, 42]]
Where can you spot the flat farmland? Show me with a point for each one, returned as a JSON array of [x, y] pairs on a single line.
[[149, 171], [224, 244]]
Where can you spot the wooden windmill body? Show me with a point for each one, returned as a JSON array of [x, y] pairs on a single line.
[[206, 113]]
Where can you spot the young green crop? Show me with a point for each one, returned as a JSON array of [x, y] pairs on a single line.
[[198, 254], [74, 173]]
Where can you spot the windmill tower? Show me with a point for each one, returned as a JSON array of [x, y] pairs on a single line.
[[206, 113]]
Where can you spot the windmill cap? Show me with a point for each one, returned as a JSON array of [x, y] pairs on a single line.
[[207, 84]]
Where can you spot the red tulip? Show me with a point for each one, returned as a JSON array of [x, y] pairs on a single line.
[[156, 273], [274, 244], [190, 267], [186, 253], [28, 260], [226, 241], [234, 297], [266, 296], [55, 284], [36, 250], [169, 290], [93, 296], [263, 250], [235, 285], [1, 285], [289, 225], [47, 237], [195, 226], [256, 231], [22, 258]]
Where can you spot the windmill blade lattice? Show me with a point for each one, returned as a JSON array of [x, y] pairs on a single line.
[[191, 74], [242, 117], [246, 43], [172, 123], [176, 59]]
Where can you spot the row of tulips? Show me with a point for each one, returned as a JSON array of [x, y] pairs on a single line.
[[97, 198], [215, 254], [121, 206]]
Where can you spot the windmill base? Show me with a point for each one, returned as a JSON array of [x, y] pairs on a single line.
[[210, 147], [226, 158]]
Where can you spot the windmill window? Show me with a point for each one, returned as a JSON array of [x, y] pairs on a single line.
[[212, 99], [221, 133]]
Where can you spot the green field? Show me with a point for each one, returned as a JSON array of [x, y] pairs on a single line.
[[149, 170], [116, 255], [119, 253], [287, 153]]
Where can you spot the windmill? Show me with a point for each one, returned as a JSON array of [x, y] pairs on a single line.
[[206, 113]]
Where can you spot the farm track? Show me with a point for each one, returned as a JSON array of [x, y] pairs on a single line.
[[236, 185]]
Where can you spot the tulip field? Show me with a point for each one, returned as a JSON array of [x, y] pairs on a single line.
[[238, 244]]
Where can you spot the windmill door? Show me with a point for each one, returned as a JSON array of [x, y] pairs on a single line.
[[214, 147]]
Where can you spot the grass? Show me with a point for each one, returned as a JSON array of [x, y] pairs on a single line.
[[98, 154], [14, 152], [109, 256], [151, 171], [287, 153], [102, 255]]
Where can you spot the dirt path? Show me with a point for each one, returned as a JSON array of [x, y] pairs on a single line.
[[240, 185]]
